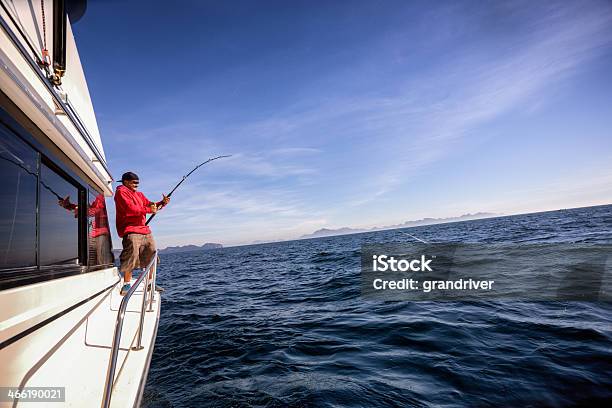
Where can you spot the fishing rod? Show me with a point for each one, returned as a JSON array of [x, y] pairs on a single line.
[[185, 178], [19, 162]]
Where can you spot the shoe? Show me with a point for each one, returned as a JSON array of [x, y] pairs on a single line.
[[125, 289]]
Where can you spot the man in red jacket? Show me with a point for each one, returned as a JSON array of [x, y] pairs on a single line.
[[138, 244]]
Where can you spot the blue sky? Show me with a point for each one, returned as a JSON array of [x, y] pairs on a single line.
[[351, 113]]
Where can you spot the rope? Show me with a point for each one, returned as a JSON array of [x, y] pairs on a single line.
[[44, 25], [45, 52]]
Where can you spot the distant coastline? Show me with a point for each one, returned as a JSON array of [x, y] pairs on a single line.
[[326, 232], [330, 232], [186, 248], [175, 249]]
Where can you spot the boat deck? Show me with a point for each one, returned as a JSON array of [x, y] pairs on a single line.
[[79, 361]]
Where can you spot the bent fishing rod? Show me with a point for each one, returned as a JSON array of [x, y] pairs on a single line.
[[185, 178]]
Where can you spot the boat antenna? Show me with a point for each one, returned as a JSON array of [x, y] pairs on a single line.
[[185, 178]]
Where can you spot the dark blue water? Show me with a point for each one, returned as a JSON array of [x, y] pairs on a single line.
[[284, 324]]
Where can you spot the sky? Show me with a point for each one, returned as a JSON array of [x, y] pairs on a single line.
[[351, 113]]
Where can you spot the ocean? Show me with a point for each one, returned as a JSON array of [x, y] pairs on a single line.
[[285, 324]]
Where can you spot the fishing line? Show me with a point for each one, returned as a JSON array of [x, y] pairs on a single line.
[[412, 236], [185, 178]]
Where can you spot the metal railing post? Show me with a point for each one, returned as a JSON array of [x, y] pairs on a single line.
[[153, 283], [112, 362], [138, 345]]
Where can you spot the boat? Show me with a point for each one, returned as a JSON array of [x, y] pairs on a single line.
[[67, 336]]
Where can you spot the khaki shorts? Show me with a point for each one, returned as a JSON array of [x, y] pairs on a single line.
[[138, 250]]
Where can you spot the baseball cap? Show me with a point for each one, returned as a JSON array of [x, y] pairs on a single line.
[[129, 176]]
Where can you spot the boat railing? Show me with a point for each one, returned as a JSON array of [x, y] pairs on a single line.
[[147, 297]]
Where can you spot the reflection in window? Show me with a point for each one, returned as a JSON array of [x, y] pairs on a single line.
[[100, 246], [59, 223], [17, 202]]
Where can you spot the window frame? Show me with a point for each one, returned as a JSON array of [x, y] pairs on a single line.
[[82, 211], [22, 276]]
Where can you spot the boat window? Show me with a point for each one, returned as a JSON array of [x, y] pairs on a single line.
[[18, 169], [59, 221], [100, 246]]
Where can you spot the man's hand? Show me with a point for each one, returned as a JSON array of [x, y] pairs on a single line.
[[153, 207], [65, 203], [165, 200]]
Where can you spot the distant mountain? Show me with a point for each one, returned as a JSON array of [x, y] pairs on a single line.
[[326, 232], [187, 248], [431, 221]]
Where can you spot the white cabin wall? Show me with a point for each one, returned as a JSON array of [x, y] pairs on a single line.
[[75, 85], [28, 16]]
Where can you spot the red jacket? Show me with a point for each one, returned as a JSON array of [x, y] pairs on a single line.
[[131, 207], [97, 211]]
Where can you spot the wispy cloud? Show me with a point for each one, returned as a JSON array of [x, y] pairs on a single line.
[[266, 165], [363, 130], [292, 151], [558, 46]]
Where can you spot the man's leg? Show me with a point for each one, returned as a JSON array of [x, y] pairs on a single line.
[[129, 255], [147, 251], [92, 258], [103, 249]]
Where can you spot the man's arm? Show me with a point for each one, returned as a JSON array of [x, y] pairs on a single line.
[[158, 205], [128, 207]]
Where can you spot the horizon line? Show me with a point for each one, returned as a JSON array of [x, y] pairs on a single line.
[[375, 229]]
